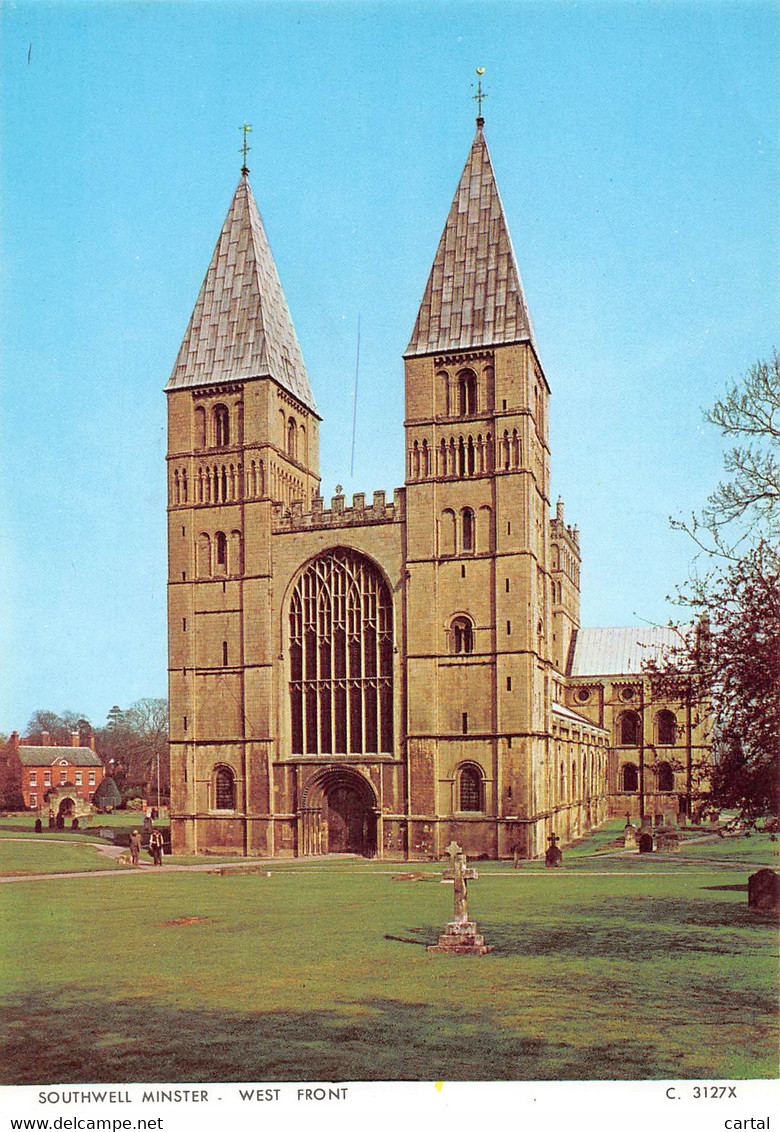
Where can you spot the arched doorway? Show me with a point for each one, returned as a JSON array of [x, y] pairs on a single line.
[[67, 808], [338, 814]]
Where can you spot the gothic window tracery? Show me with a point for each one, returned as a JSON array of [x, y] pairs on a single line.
[[341, 658]]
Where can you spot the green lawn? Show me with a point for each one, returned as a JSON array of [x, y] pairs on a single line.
[[647, 969], [20, 857]]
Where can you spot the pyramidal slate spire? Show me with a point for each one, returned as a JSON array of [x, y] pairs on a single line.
[[241, 325], [474, 296]]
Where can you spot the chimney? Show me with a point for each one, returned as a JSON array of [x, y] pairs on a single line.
[[559, 510], [75, 739], [13, 743], [91, 741], [45, 739]]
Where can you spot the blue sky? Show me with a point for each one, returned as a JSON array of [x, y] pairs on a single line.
[[635, 147]]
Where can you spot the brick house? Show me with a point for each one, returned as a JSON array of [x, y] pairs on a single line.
[[48, 767]]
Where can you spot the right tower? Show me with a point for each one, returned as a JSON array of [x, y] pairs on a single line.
[[480, 650]]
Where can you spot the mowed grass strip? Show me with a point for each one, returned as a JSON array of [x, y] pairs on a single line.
[[323, 974], [22, 857]]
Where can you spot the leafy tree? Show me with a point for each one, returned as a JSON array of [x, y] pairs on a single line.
[[60, 728], [107, 795], [737, 596]]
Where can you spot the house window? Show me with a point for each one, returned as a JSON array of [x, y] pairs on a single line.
[[92, 778], [47, 778], [461, 635], [63, 777], [78, 778], [470, 789], [341, 657], [629, 778], [33, 801], [224, 788], [33, 778]]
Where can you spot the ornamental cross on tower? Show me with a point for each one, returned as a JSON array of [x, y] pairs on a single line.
[[480, 95], [245, 149]]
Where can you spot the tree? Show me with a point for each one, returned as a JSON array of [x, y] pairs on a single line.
[[60, 728], [736, 661]]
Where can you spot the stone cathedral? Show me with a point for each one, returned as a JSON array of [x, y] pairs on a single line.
[[379, 676]]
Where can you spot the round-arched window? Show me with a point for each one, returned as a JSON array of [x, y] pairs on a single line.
[[224, 788], [470, 789], [461, 635]]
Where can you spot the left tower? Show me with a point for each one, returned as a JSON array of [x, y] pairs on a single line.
[[243, 434]]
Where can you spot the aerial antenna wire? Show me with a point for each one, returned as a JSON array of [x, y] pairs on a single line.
[[354, 402]]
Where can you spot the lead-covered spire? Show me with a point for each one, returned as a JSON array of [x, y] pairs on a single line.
[[474, 295], [241, 325]]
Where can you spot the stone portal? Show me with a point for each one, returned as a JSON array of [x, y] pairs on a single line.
[[338, 814]]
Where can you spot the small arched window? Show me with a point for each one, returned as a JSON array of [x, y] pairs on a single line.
[[666, 728], [467, 394], [200, 427], [292, 439], [204, 556], [629, 778], [220, 550], [221, 426], [461, 636], [470, 789], [224, 788], [665, 777], [628, 729], [467, 527]]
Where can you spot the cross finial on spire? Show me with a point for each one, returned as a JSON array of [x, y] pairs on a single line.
[[245, 148], [479, 96]]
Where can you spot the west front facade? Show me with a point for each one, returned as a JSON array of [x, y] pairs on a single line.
[[374, 675]]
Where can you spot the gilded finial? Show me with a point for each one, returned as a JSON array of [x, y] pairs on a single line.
[[478, 97], [245, 148]]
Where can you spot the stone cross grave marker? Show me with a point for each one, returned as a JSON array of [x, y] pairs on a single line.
[[460, 935]]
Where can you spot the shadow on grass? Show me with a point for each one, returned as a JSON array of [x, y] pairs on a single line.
[[69, 1039]]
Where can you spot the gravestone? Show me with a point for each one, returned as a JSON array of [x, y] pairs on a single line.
[[629, 835], [460, 936], [553, 858], [764, 891], [647, 824], [658, 820], [667, 841], [645, 843]]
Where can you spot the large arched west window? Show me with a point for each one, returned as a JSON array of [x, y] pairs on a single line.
[[224, 788], [341, 658]]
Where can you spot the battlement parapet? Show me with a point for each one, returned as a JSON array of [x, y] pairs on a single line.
[[359, 514]]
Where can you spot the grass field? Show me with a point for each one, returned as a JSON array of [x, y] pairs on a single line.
[[613, 968]]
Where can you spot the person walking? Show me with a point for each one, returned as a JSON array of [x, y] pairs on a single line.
[[135, 847], [156, 846]]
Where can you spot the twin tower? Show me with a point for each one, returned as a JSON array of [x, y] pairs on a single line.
[[374, 676]]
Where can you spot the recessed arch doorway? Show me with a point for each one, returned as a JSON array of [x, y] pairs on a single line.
[[339, 814]]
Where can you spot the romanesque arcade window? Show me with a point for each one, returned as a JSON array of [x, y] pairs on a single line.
[[341, 658], [461, 636], [665, 777], [666, 728], [224, 788], [629, 778], [470, 789], [628, 728], [221, 426]]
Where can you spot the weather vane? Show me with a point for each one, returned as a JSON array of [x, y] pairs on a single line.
[[480, 94], [245, 148]]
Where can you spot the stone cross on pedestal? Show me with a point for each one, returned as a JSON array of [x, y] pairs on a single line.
[[460, 935], [459, 874]]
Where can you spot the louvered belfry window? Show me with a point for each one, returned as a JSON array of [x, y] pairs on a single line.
[[341, 658]]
